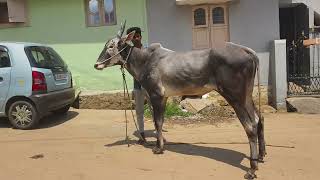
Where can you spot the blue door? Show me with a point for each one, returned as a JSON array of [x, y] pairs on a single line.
[[5, 69]]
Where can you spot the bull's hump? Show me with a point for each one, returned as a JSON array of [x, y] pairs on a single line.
[[157, 46], [153, 47]]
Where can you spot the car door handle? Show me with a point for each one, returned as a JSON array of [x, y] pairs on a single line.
[[1, 79]]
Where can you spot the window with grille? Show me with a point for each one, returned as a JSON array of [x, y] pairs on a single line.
[[199, 17], [218, 15]]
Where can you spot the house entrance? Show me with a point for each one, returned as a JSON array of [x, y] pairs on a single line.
[[210, 26]]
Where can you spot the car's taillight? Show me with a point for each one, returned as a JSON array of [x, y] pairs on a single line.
[[38, 82]]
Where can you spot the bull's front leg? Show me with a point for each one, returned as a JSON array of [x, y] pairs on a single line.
[[159, 104]]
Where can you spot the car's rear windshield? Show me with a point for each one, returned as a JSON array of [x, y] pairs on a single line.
[[44, 57]]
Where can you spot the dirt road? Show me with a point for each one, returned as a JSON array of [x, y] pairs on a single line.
[[88, 145]]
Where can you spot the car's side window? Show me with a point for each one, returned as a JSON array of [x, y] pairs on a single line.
[[4, 59]]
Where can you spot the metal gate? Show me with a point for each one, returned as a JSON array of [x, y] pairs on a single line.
[[303, 66]]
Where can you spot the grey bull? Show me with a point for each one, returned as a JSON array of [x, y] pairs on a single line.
[[163, 73]]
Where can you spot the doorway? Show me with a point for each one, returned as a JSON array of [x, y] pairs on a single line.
[[210, 26]]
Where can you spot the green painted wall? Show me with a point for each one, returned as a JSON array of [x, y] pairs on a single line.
[[61, 23]]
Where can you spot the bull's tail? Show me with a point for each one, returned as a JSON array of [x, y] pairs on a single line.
[[257, 70], [259, 88], [260, 127], [261, 140]]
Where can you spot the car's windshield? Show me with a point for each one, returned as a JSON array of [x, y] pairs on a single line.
[[44, 57]]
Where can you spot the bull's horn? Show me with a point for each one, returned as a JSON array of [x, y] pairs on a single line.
[[121, 31]]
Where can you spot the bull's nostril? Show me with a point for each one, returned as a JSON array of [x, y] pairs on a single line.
[[95, 65]]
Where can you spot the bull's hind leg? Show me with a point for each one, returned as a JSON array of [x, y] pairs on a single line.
[[158, 105], [246, 114], [248, 120]]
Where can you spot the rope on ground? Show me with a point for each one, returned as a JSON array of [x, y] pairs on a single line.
[[126, 95]]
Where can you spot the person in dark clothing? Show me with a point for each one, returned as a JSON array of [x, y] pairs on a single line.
[[138, 91]]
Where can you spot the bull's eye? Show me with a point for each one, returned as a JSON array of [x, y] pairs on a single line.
[[111, 46]]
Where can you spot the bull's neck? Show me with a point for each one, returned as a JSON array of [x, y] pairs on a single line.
[[135, 61]]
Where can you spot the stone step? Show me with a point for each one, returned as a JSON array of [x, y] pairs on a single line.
[[304, 105]]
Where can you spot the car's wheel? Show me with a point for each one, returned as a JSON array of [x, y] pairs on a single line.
[[63, 110], [23, 115]]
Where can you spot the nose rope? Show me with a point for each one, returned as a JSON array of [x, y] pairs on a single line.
[[102, 62], [124, 63]]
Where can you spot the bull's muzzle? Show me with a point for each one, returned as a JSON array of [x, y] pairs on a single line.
[[99, 66]]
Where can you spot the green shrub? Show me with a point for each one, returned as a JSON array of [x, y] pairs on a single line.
[[172, 109]]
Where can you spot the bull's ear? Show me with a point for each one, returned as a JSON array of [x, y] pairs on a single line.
[[128, 38]]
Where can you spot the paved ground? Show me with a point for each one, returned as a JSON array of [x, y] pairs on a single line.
[[88, 145]]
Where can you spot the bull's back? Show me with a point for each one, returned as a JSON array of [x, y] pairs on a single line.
[[195, 72], [186, 73], [232, 55]]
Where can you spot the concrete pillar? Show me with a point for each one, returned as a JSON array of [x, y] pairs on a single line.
[[311, 17], [279, 74], [264, 62]]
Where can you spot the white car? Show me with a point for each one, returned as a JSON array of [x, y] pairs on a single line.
[[34, 80]]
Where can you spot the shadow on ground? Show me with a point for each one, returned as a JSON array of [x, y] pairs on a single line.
[[4, 123], [48, 121], [227, 156], [52, 120]]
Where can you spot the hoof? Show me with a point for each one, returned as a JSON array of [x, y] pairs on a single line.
[[157, 150], [250, 175], [142, 141], [260, 160], [261, 157]]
